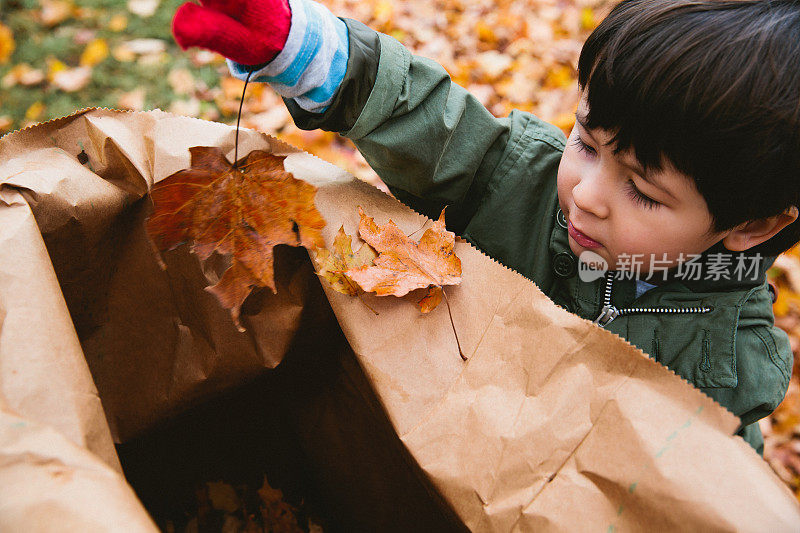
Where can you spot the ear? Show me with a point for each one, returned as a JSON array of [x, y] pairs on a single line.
[[753, 233]]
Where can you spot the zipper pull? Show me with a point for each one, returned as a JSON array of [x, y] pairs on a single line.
[[608, 314]]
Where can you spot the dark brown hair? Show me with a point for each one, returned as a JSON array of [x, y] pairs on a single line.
[[711, 87]]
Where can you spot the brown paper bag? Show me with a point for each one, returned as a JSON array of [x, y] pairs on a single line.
[[155, 340], [552, 423], [48, 483]]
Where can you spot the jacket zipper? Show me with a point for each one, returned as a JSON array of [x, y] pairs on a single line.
[[609, 312]]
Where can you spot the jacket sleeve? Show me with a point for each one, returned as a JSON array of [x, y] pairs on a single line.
[[430, 141], [763, 366], [436, 146]]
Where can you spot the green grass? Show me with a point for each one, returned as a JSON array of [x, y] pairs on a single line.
[[36, 43]]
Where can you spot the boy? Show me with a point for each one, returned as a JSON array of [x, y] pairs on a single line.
[[680, 176]]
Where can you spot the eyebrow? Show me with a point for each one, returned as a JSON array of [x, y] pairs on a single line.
[[635, 167]]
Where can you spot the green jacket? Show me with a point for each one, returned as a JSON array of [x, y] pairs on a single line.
[[434, 145]]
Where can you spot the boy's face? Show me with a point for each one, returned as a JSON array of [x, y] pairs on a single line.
[[613, 208]]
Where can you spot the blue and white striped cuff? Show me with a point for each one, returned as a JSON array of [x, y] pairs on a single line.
[[313, 61]]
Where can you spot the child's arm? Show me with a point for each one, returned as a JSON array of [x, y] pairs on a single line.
[[763, 369], [431, 141]]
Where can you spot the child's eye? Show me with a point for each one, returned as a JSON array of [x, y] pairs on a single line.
[[640, 198], [583, 147]]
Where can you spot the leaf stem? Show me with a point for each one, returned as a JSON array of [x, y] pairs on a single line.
[[363, 301], [413, 232], [239, 118], [449, 312]]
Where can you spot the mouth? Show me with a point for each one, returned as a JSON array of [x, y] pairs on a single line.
[[580, 238]]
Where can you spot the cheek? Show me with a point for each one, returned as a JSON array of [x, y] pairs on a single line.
[[567, 176], [655, 236]]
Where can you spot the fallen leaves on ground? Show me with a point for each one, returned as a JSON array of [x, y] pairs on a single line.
[[94, 53], [239, 211], [279, 515], [7, 43], [241, 509], [72, 79], [54, 12], [511, 54], [782, 428], [23, 74]]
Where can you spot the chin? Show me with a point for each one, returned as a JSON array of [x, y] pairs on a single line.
[[575, 247]]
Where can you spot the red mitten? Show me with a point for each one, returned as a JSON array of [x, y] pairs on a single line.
[[250, 32]]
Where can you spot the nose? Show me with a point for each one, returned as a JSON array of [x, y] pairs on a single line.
[[589, 194]]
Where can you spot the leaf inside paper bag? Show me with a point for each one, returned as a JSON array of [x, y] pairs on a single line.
[[242, 211]]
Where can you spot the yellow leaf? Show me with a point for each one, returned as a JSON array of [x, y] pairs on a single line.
[[333, 264], [54, 66], [588, 21], [787, 302], [118, 23], [559, 77], [565, 121], [7, 44], [35, 111], [404, 265], [242, 212], [485, 32], [231, 88], [95, 52], [383, 11], [781, 306]]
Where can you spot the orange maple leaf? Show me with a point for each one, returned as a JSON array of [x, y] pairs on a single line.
[[241, 211], [404, 265]]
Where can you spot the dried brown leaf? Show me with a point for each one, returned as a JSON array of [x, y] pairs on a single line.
[[240, 211]]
